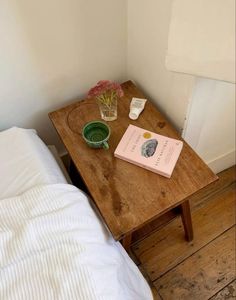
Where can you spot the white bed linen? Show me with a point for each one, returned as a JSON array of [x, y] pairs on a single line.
[[53, 246], [25, 161]]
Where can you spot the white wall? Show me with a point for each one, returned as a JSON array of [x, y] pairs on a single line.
[[210, 126], [207, 105], [148, 27], [53, 51], [202, 38]]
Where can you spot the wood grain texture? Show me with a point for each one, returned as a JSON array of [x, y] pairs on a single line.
[[227, 293], [227, 178], [126, 242], [205, 273], [187, 220], [128, 196], [156, 224], [166, 248]]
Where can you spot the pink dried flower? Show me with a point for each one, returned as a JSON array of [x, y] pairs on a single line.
[[116, 87], [106, 89]]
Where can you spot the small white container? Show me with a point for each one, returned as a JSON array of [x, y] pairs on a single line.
[[136, 107]]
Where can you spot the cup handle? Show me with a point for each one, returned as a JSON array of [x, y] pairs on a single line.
[[105, 145]]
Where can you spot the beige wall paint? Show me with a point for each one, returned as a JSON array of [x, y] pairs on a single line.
[[148, 27], [202, 38], [205, 108], [53, 51]]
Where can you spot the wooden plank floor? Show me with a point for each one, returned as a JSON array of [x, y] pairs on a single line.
[[204, 268]]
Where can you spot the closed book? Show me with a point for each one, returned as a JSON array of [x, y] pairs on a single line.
[[149, 150]]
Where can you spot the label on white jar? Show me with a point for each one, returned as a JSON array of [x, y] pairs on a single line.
[[136, 107]]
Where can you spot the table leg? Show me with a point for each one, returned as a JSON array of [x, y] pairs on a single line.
[[126, 242], [187, 220]]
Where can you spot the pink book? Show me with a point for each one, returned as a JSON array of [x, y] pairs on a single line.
[[149, 150]]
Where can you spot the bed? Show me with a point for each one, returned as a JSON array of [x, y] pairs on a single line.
[[53, 244]]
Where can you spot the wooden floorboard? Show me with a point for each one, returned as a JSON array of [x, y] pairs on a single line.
[[227, 179], [204, 273], [203, 269], [166, 248], [227, 293]]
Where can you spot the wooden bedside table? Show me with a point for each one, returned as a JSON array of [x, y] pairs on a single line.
[[127, 196]]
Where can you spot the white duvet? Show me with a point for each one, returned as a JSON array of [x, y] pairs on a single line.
[[53, 246]]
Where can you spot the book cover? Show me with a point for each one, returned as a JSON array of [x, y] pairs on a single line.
[[149, 150]]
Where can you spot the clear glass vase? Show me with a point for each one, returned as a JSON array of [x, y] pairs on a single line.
[[108, 109]]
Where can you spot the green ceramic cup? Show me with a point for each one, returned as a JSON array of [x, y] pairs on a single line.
[[96, 134]]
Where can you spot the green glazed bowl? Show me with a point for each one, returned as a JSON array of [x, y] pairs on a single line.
[[96, 134]]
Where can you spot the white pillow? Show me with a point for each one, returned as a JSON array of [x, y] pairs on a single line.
[[25, 161]]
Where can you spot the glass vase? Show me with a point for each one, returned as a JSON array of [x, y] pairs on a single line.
[[108, 109]]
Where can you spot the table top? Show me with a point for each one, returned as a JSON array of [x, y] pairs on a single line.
[[126, 195]]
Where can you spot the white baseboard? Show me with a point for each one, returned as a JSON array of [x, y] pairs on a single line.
[[222, 162]]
